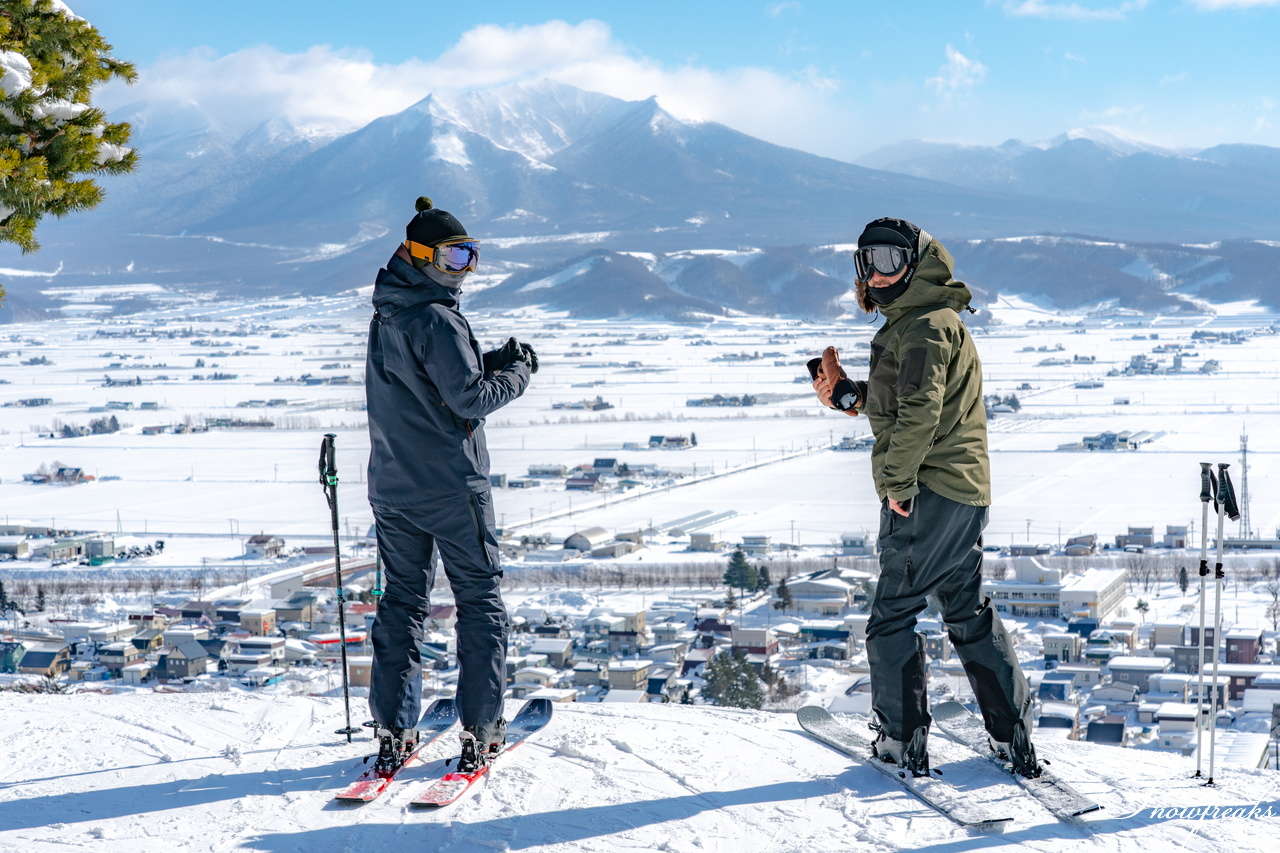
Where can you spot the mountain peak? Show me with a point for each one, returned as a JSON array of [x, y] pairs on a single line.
[[533, 117], [280, 132], [1107, 137], [652, 113]]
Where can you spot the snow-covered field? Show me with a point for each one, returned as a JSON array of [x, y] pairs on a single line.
[[233, 771], [781, 480]]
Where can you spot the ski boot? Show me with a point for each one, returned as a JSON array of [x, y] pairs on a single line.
[[480, 744], [395, 747], [1019, 752], [912, 755]]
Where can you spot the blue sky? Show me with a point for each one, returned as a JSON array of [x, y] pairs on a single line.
[[837, 78]]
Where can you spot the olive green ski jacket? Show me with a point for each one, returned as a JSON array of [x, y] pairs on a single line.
[[923, 395]]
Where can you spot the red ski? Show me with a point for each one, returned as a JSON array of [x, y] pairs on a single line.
[[535, 714], [436, 720]]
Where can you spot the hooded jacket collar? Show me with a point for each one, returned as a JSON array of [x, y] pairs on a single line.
[[932, 285], [400, 286]]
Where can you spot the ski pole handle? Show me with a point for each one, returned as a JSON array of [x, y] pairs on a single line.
[[328, 467], [1227, 492], [1206, 482]]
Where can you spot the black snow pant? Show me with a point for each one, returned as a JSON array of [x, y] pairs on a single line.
[[463, 530], [936, 552]]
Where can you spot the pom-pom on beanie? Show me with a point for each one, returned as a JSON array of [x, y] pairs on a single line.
[[430, 225]]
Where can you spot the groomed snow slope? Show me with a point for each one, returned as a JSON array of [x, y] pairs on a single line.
[[235, 771]]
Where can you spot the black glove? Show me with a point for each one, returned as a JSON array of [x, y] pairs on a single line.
[[530, 357], [509, 353], [844, 395]]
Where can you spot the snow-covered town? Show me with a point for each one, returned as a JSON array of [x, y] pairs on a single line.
[[1100, 677]]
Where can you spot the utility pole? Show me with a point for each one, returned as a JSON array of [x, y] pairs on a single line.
[[1245, 531]]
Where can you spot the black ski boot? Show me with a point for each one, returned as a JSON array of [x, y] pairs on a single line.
[[480, 744], [1020, 753], [395, 746], [912, 755]]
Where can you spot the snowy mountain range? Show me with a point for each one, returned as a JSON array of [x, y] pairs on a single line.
[[1237, 185], [547, 173]]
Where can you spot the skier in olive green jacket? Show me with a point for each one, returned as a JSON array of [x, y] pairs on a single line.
[[923, 398]]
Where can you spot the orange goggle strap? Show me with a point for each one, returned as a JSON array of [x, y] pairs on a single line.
[[428, 253]]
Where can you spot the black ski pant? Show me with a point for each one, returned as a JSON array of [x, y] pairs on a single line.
[[935, 552], [463, 531]]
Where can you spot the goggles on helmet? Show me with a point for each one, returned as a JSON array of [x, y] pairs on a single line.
[[886, 260], [453, 257]]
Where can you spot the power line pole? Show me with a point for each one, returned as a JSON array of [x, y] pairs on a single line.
[[1245, 531]]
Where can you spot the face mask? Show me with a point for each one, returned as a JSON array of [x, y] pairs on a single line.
[[451, 280], [886, 295]]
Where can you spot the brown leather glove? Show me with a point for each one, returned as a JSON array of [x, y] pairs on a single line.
[[821, 386], [841, 394]]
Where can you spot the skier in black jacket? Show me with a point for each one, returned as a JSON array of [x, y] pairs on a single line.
[[428, 389]]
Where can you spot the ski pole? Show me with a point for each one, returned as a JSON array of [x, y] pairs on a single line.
[[329, 480], [1226, 508], [377, 588], [1208, 492]]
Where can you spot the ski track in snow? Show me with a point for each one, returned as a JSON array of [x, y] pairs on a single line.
[[244, 772]]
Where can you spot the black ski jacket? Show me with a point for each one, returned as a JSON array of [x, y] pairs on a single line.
[[427, 393]]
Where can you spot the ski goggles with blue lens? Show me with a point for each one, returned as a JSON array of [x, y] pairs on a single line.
[[452, 257], [886, 260]]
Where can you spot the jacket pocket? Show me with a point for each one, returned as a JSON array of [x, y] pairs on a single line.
[[911, 373], [877, 352], [485, 539]]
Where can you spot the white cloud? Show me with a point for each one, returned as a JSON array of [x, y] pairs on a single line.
[[1075, 11], [320, 87], [343, 89], [959, 73], [1173, 78]]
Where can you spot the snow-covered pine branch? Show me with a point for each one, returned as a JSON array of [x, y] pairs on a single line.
[[53, 141]]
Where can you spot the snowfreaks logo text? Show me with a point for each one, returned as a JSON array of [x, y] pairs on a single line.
[[1207, 812]]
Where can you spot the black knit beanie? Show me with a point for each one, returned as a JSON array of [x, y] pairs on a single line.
[[430, 225]]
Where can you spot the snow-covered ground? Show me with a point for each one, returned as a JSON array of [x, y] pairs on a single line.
[[233, 771]]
